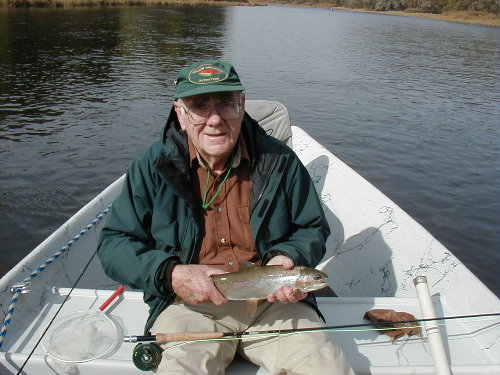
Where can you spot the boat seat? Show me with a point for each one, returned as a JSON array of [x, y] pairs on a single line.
[[273, 117]]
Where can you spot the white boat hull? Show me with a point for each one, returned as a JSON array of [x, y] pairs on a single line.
[[374, 253]]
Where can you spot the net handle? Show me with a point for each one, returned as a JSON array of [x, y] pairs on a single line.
[[112, 297]]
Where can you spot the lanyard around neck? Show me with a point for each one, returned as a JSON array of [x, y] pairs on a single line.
[[206, 204]]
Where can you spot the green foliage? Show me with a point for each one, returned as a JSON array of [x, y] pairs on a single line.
[[422, 6], [491, 6], [413, 6], [382, 5], [430, 6]]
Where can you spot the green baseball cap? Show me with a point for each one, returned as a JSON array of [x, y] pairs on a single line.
[[207, 76]]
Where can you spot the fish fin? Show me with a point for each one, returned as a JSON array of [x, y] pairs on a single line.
[[251, 306], [246, 265]]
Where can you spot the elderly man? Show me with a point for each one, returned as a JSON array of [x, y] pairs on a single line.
[[215, 192]]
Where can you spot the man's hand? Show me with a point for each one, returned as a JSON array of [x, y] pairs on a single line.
[[285, 294], [194, 285]]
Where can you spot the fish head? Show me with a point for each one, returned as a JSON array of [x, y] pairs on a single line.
[[311, 279]]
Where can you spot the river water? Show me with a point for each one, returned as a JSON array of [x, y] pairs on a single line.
[[411, 104]]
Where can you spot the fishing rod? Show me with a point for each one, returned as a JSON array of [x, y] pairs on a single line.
[[163, 338], [147, 354]]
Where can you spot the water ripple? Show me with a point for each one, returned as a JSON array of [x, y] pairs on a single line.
[[411, 104]]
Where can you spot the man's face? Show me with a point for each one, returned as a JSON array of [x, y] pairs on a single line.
[[215, 137]]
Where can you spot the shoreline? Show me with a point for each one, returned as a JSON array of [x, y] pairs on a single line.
[[466, 17], [471, 18]]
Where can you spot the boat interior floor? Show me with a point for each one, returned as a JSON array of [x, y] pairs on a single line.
[[359, 344]]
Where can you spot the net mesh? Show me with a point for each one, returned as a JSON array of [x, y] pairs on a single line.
[[82, 337]]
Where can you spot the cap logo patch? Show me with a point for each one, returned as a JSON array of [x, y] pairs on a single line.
[[206, 74]]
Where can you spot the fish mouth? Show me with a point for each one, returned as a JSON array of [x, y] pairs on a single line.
[[321, 285], [316, 285]]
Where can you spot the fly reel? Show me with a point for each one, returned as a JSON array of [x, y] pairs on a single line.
[[147, 357]]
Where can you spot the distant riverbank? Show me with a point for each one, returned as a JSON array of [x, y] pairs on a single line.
[[470, 17], [89, 3], [475, 18]]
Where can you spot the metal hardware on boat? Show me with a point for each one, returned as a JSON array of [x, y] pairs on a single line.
[[24, 287], [419, 279]]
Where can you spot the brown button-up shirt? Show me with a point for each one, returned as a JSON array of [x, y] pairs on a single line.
[[228, 236]]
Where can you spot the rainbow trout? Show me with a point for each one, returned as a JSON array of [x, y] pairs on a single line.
[[257, 282]]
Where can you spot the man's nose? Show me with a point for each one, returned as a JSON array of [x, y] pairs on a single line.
[[214, 118]]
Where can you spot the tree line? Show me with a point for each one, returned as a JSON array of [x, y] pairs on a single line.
[[417, 6]]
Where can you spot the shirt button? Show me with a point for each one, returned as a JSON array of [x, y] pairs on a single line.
[[230, 262], [223, 240], [219, 209]]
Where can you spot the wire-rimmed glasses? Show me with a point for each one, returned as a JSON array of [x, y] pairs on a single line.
[[198, 115]]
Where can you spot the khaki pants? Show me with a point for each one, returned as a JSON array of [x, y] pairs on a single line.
[[305, 353]]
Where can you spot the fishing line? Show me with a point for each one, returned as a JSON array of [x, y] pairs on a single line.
[[257, 334], [162, 338], [82, 271], [148, 356]]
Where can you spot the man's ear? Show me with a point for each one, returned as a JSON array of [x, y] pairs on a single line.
[[181, 115], [242, 98]]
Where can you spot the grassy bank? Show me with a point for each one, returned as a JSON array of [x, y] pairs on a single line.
[[462, 16], [474, 18], [470, 17]]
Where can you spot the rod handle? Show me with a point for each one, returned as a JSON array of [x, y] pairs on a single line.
[[112, 297], [163, 338]]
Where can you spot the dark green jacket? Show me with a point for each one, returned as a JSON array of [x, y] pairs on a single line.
[[157, 216]]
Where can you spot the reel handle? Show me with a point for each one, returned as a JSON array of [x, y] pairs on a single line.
[[146, 357]]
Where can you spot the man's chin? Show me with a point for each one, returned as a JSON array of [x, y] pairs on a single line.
[[218, 148]]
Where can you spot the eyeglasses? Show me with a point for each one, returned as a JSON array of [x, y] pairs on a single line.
[[199, 115]]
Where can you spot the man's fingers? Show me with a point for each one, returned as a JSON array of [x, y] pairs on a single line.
[[287, 295], [271, 298], [194, 285], [281, 260], [294, 296], [288, 264], [216, 296]]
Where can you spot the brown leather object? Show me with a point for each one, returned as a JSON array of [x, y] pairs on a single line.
[[394, 330]]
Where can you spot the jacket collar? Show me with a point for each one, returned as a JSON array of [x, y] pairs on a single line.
[[173, 162], [175, 142]]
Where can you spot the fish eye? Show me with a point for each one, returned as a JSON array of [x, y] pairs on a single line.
[[317, 277]]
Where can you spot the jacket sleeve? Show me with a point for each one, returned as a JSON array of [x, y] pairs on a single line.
[[303, 237], [126, 247]]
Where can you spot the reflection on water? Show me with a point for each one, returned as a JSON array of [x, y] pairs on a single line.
[[60, 64], [82, 92], [410, 103]]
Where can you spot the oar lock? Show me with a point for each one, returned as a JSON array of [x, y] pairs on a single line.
[[23, 287]]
